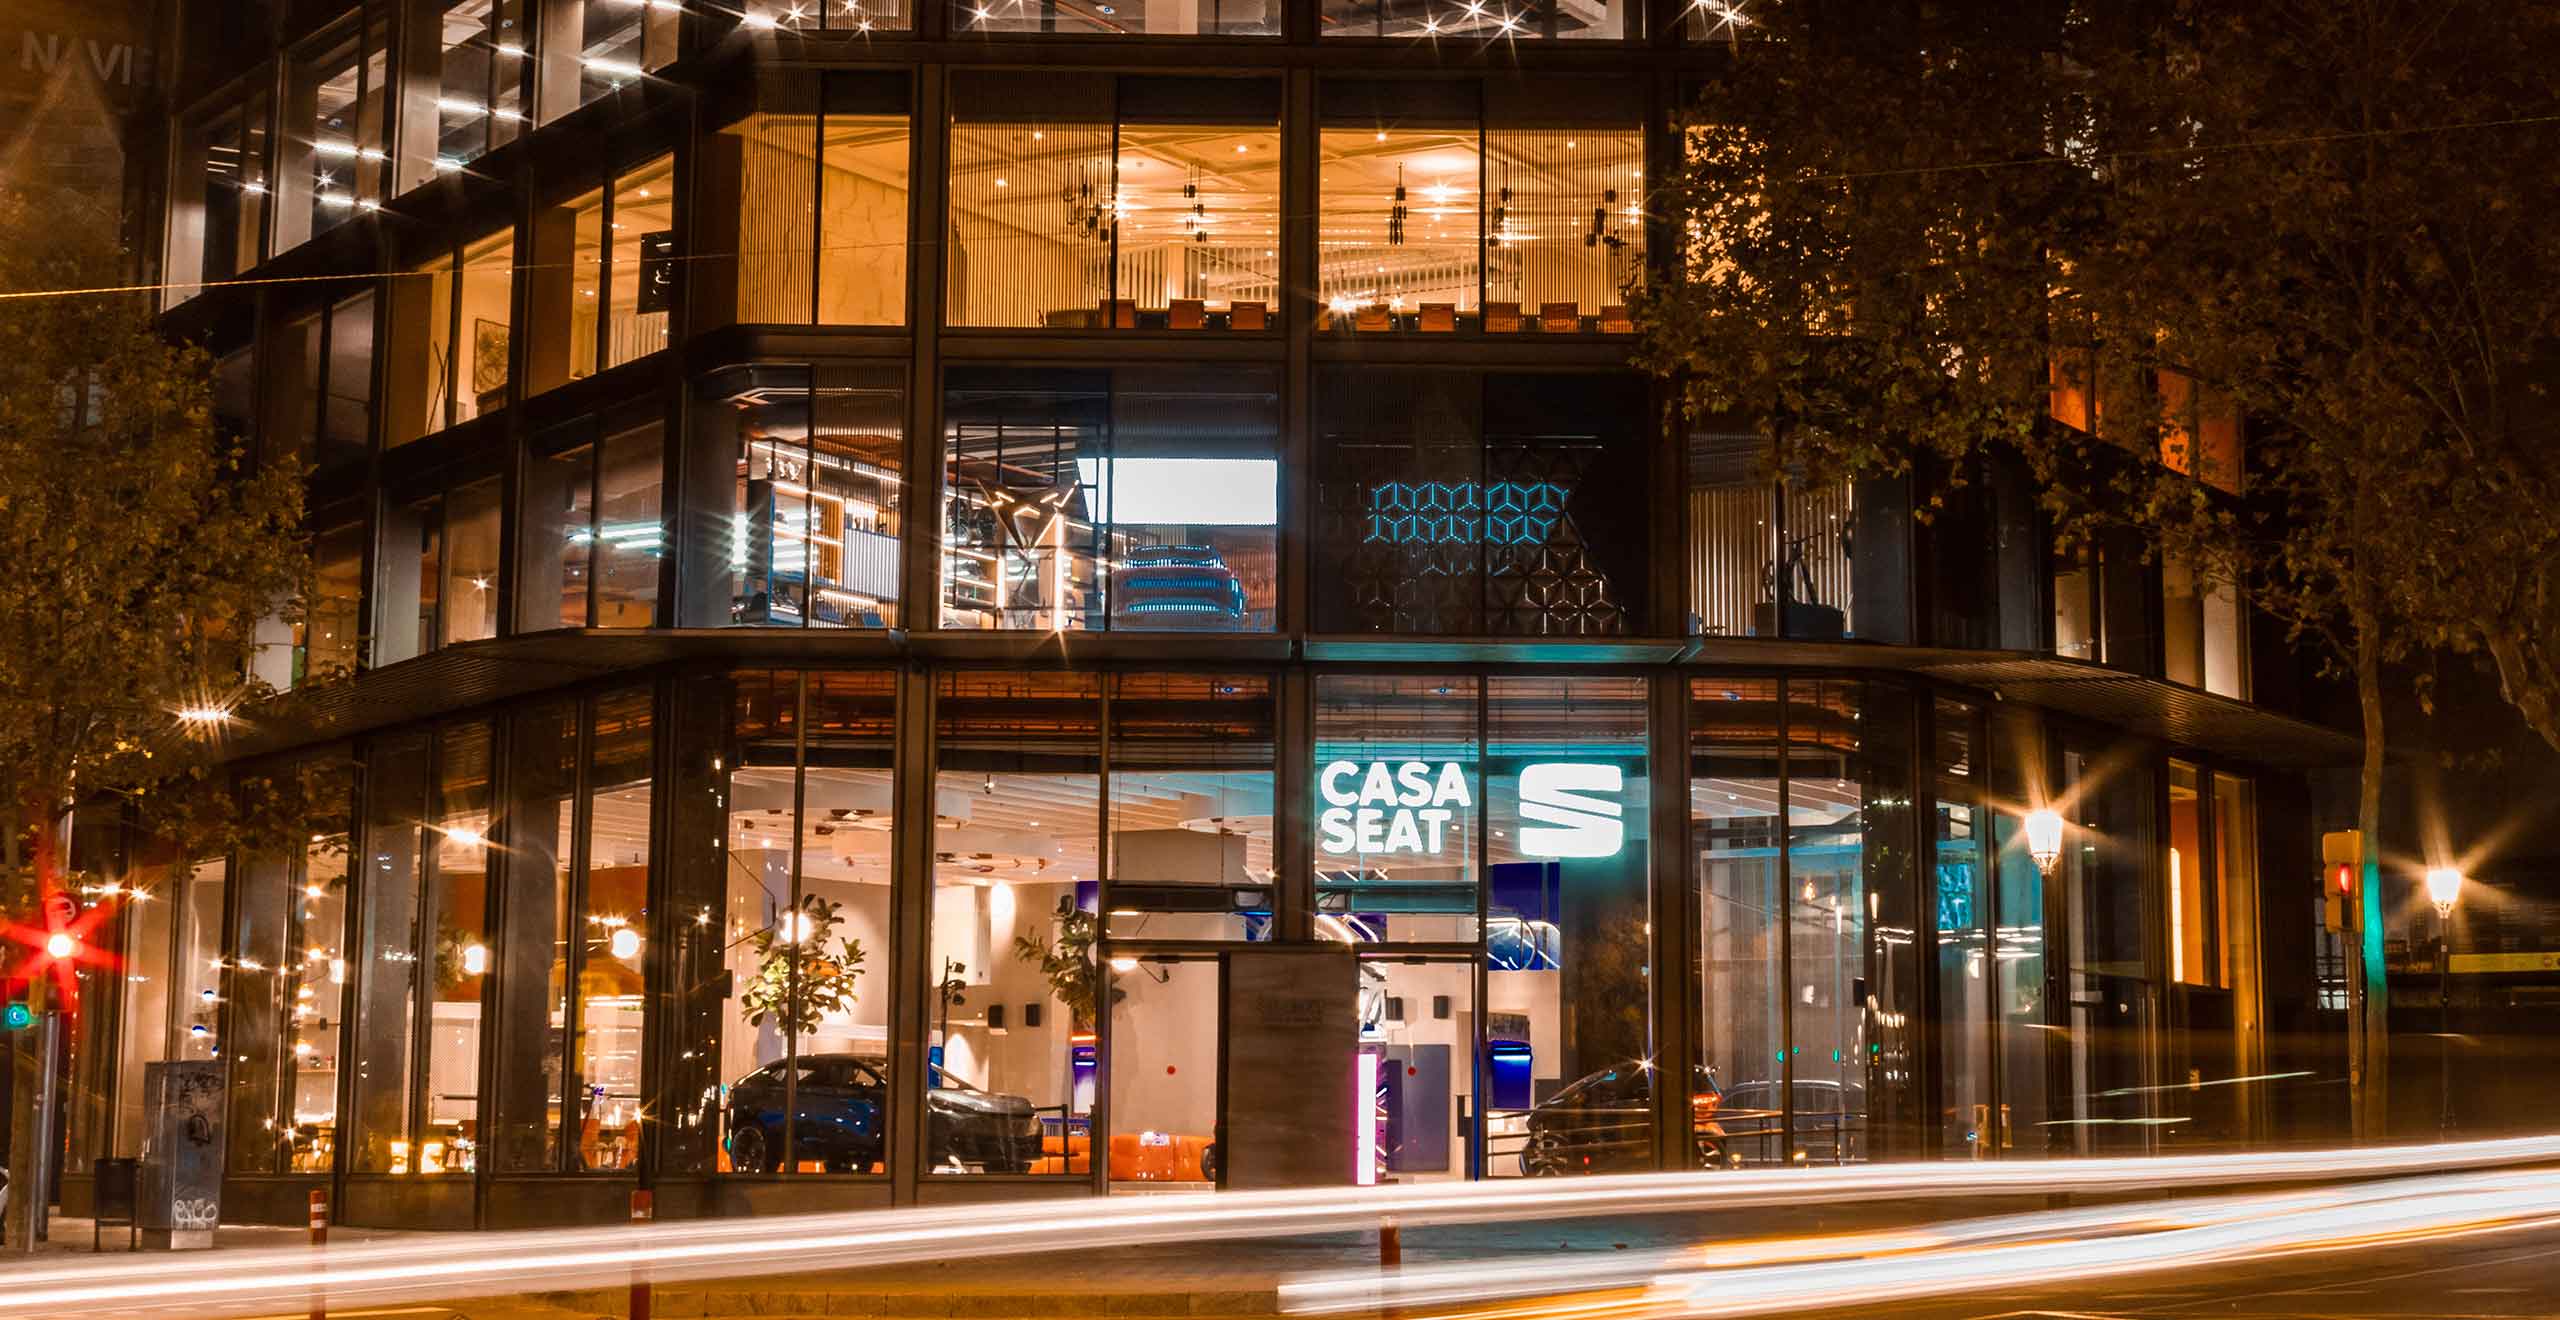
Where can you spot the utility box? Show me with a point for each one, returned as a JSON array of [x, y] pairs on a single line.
[[181, 1154]]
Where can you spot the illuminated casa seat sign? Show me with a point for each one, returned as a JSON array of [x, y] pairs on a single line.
[[1395, 807], [1566, 808]]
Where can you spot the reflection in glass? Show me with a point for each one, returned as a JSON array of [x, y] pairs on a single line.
[[1191, 758], [1960, 882], [1013, 971], [815, 503], [1734, 794], [387, 986], [534, 944], [1472, 21], [1397, 783], [1225, 18], [612, 932]]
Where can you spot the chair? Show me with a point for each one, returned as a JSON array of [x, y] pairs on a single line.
[[1502, 318], [1120, 313], [1249, 316], [1439, 318], [1372, 316], [1614, 320], [1560, 318], [1187, 314]]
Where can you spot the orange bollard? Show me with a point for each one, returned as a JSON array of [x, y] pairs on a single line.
[[319, 1238], [644, 1207], [1390, 1244]]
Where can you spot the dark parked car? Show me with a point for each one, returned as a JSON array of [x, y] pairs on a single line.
[[1176, 586], [1604, 1122], [1830, 1128], [842, 1102]]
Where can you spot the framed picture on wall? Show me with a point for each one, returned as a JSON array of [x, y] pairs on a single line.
[[488, 360]]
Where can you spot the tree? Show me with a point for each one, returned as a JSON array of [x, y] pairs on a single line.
[[139, 550], [2087, 234], [797, 981]]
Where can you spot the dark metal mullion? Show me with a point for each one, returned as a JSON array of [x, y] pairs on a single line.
[[791, 928]]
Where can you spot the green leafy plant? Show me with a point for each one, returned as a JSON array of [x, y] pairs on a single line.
[[798, 981], [1067, 960]]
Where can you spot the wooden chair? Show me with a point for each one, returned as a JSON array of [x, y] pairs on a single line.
[[1372, 316], [1561, 318], [1249, 316], [1439, 318], [1187, 314], [1615, 321], [1502, 318], [1120, 313]]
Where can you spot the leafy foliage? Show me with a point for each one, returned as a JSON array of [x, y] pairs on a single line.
[[1067, 960], [140, 550], [797, 981]]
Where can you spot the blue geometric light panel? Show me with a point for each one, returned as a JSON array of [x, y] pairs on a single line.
[[1464, 512]]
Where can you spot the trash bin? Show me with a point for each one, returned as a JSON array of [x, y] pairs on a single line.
[[115, 1184]]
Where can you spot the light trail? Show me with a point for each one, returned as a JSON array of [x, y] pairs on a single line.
[[448, 1265], [2026, 1250]]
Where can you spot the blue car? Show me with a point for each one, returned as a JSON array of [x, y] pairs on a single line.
[[1175, 586]]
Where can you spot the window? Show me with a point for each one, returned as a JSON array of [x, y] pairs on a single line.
[[595, 534], [437, 583], [602, 277], [1131, 204], [822, 220], [331, 144], [573, 936], [592, 48], [857, 16], [1088, 500], [781, 929], [387, 967], [1960, 885], [1457, 208], [218, 208], [331, 641], [1402, 872], [287, 991], [2106, 898], [2195, 919], [1461, 20], [1735, 792], [1223, 18], [478, 81], [1013, 922], [2204, 629], [1465, 503], [804, 465], [449, 327], [2200, 432], [1191, 760]]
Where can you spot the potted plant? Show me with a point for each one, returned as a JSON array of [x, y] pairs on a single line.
[[1067, 960], [798, 980]]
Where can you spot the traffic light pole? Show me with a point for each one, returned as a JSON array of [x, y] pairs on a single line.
[[31, 1160]]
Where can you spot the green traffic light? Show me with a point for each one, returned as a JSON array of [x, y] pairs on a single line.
[[19, 1017]]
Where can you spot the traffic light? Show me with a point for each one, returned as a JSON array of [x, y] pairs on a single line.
[[2341, 852], [17, 1017]]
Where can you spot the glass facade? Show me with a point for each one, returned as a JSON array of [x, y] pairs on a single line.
[[1237, 531]]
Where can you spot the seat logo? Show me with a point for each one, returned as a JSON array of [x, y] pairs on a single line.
[[1572, 819]]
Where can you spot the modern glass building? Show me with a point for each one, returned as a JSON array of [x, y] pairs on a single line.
[[896, 562]]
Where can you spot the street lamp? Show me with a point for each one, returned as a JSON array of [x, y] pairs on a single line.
[[2044, 839], [2444, 889]]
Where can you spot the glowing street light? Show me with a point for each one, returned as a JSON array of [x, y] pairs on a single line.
[[2044, 838], [60, 945], [2444, 889]]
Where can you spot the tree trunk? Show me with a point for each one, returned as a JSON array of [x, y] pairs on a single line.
[[2369, 992]]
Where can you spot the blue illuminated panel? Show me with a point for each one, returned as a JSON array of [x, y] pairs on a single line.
[[1464, 512]]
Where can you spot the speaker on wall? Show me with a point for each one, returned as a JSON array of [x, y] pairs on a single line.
[[1031, 1015], [995, 1017], [1439, 1008]]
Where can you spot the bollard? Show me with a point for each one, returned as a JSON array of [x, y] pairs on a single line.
[[1390, 1244], [644, 1207], [319, 1238]]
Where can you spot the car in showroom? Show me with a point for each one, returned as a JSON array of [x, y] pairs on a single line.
[[1603, 1122], [842, 1104], [1176, 586]]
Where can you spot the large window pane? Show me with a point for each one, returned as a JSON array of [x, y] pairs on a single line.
[[1469, 20], [533, 941], [313, 985], [1564, 235], [1031, 206], [1734, 791], [862, 218], [1199, 232], [218, 202], [332, 139], [395, 837], [612, 932], [1960, 881], [481, 70], [346, 417], [592, 48], [1135, 499], [641, 269], [2026, 1036], [805, 468], [1453, 503], [1014, 927], [1567, 930], [1397, 819], [333, 622], [457, 849], [449, 323], [1191, 758], [2105, 854], [469, 600], [1157, 18], [1398, 237], [566, 302]]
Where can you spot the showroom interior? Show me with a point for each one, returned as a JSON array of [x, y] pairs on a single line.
[[872, 558]]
